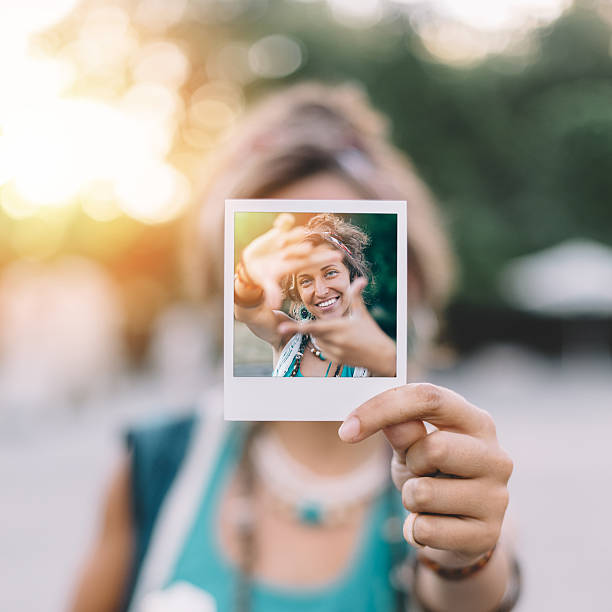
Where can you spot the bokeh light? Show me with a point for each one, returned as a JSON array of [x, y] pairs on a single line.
[[275, 56], [215, 106], [357, 14], [466, 32], [502, 14], [14, 205], [231, 62], [159, 15], [105, 40], [154, 192], [161, 62], [100, 202]]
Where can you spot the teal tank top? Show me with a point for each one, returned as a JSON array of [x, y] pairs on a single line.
[[364, 586], [347, 371]]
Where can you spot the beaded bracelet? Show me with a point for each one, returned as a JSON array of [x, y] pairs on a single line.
[[508, 601], [244, 278], [455, 573], [252, 303]]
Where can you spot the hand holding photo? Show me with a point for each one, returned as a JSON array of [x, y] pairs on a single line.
[[315, 297]]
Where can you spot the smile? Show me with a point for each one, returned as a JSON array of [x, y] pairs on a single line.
[[328, 303]]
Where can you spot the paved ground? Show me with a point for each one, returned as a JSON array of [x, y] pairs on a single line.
[[554, 418]]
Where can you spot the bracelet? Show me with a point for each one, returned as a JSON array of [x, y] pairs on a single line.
[[253, 302], [508, 601], [244, 278], [455, 573]]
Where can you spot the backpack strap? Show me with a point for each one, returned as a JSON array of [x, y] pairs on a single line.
[[156, 451], [180, 499]]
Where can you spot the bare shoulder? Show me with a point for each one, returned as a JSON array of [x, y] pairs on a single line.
[[104, 578]]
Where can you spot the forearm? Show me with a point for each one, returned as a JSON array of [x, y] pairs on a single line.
[[261, 320], [481, 592]]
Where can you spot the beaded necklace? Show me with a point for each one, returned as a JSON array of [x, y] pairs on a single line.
[[306, 339], [392, 532]]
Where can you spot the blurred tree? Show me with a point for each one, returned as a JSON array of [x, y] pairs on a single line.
[[516, 148]]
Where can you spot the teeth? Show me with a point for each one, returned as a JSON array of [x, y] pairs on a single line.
[[327, 302]]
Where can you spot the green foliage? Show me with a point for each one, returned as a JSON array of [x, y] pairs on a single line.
[[517, 149]]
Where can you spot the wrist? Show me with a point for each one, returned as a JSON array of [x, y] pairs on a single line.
[[247, 293], [494, 587], [450, 559], [455, 568], [244, 278]]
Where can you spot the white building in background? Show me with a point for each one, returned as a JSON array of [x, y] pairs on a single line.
[[572, 282], [571, 279]]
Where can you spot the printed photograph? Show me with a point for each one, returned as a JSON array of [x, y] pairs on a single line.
[[315, 294]]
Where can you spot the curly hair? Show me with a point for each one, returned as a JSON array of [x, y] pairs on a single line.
[[332, 230], [299, 132]]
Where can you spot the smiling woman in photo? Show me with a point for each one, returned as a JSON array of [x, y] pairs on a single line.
[[321, 268]]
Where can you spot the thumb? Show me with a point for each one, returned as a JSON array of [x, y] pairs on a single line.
[[356, 294], [284, 222]]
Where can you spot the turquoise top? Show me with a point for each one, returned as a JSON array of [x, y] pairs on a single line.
[[363, 586], [347, 371]]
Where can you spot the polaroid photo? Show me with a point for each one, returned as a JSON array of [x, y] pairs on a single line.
[[311, 255]]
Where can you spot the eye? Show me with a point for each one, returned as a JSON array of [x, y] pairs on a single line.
[[331, 273], [304, 282]]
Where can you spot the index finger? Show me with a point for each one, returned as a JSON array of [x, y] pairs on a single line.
[[284, 222], [418, 401]]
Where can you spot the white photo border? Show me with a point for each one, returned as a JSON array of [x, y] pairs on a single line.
[[249, 398]]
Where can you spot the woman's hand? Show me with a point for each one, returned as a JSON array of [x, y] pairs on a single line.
[[459, 516], [356, 340], [277, 253]]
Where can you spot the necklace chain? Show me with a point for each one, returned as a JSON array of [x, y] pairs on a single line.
[[316, 351]]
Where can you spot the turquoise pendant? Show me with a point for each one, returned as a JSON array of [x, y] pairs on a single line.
[[310, 514]]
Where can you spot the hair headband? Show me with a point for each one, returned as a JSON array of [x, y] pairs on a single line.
[[331, 238]]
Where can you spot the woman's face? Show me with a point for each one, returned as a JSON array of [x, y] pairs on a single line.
[[324, 288]]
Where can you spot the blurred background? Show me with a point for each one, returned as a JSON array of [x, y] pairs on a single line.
[[109, 114]]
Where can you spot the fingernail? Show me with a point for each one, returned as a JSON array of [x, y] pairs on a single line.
[[349, 430]]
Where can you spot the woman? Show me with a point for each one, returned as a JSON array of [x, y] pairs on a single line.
[[293, 515], [322, 269]]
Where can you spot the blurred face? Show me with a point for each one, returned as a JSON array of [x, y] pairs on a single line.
[[324, 288]]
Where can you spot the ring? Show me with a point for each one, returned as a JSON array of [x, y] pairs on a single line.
[[409, 530]]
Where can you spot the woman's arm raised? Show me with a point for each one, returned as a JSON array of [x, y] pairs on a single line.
[[264, 263]]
